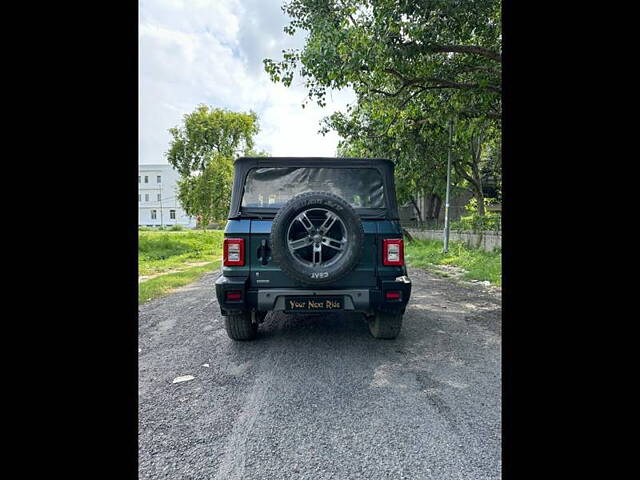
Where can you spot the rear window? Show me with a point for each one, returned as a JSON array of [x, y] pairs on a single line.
[[273, 187]]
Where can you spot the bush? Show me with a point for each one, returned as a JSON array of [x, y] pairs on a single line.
[[176, 228], [474, 222]]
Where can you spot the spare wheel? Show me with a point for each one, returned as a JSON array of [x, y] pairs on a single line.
[[317, 238]]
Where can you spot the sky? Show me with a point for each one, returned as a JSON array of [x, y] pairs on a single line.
[[210, 52]]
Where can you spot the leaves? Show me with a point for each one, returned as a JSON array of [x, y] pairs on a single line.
[[210, 130], [202, 151], [413, 65], [206, 195]]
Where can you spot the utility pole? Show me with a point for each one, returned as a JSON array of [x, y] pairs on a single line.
[[446, 204]]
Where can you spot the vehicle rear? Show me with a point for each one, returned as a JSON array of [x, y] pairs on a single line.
[[266, 271]]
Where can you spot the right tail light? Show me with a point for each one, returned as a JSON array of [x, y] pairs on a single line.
[[393, 251]]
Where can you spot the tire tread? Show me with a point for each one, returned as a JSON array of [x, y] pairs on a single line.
[[240, 327], [385, 325]]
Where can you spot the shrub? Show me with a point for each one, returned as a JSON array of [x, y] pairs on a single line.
[[176, 228], [474, 222]]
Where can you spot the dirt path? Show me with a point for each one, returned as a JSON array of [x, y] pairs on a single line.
[[144, 278]]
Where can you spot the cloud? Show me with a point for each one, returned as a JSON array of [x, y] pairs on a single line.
[[208, 51]]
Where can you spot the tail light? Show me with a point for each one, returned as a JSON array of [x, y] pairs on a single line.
[[393, 251], [233, 252], [234, 296], [395, 295]]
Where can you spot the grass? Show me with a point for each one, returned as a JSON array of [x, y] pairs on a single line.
[[161, 251], [171, 254], [158, 286], [479, 265]]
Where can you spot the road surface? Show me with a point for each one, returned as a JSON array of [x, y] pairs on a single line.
[[316, 397]]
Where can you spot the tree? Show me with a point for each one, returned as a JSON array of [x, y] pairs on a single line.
[[202, 150], [206, 195], [474, 142], [399, 49], [413, 65]]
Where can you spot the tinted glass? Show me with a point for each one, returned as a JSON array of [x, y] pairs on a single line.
[[273, 187]]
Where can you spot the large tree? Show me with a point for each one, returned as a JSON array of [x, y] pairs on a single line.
[[400, 49], [414, 65], [202, 150]]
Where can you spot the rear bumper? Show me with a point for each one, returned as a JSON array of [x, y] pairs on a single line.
[[364, 300]]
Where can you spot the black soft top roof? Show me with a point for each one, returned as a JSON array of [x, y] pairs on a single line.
[[243, 164]]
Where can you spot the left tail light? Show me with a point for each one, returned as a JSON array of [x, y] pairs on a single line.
[[393, 251], [233, 252]]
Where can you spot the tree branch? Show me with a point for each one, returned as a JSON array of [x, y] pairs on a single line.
[[441, 83], [471, 49]]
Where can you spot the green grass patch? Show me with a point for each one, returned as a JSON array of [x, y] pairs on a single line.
[[164, 250], [480, 265], [163, 284]]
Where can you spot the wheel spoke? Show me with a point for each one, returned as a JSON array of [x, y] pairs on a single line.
[[333, 243], [317, 237], [317, 254], [306, 223], [296, 244], [328, 223]]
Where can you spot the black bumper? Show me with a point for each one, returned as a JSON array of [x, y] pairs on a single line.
[[364, 300]]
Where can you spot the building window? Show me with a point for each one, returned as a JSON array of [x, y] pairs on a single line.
[[139, 178], [153, 214], [172, 214], [146, 197], [146, 179], [158, 179], [158, 197], [139, 197]]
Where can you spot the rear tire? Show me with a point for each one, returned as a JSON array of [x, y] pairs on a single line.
[[385, 325], [240, 326]]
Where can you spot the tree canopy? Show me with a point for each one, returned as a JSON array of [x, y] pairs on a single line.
[[414, 66], [208, 131], [202, 150], [399, 49]]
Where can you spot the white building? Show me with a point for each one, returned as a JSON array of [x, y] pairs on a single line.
[[157, 199]]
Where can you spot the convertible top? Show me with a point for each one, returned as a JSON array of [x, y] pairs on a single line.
[[243, 165]]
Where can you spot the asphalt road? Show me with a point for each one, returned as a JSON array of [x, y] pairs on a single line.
[[316, 397]]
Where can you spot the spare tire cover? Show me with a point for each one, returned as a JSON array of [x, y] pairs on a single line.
[[317, 238]]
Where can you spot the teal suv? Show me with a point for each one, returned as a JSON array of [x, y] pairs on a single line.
[[309, 235]]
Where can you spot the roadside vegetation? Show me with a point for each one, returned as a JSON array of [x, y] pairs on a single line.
[[477, 264], [163, 284], [162, 250], [175, 258]]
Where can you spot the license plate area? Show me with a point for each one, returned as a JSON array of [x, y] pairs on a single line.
[[317, 303]]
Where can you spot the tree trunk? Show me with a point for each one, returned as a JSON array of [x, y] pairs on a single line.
[[437, 204], [415, 205], [480, 199], [476, 151]]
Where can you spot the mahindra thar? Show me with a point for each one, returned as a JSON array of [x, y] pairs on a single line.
[[308, 235]]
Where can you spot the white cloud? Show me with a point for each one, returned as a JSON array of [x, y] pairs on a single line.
[[211, 52]]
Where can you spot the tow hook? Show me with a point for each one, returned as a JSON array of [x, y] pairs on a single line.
[[403, 279]]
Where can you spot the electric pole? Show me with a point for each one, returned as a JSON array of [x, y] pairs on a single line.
[[446, 203]]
